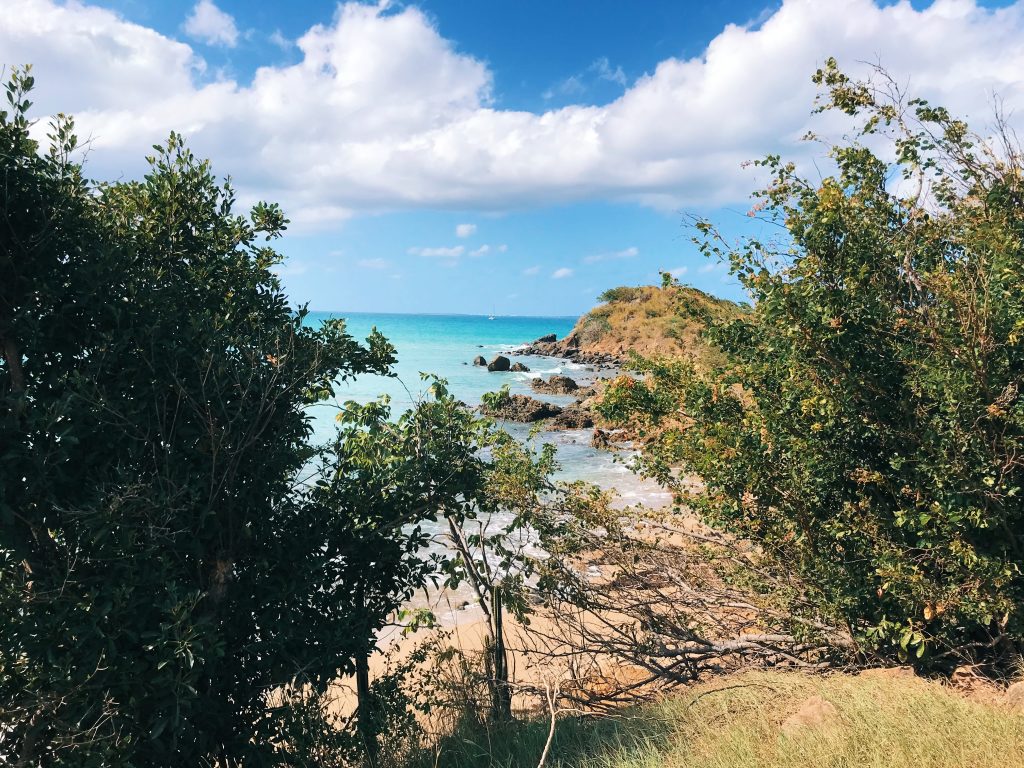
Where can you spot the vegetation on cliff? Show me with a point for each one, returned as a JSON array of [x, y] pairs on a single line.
[[651, 321]]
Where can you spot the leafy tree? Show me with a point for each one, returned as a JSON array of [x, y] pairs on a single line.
[[159, 577], [377, 483], [867, 428]]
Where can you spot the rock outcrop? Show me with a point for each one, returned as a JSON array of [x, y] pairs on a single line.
[[555, 385], [499, 363], [521, 408], [480, 360], [547, 338], [519, 368], [573, 417]]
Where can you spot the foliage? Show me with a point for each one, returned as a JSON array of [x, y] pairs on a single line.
[[867, 427], [165, 568], [622, 293]]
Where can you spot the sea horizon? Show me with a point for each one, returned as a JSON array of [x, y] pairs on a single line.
[[346, 313]]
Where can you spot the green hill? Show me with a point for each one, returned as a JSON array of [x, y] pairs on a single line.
[[648, 320]]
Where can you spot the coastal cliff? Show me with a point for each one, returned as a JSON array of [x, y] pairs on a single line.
[[648, 320]]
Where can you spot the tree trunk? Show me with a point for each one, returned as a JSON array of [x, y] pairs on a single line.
[[501, 693], [364, 713]]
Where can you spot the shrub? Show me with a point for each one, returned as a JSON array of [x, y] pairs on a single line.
[[621, 294], [867, 427]]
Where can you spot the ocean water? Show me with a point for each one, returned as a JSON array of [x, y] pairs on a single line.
[[445, 345]]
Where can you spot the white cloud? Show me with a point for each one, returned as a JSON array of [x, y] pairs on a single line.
[[282, 42], [710, 266], [443, 252], [678, 271], [483, 250], [531, 271], [373, 263], [211, 25], [625, 253], [603, 69], [382, 112], [561, 272], [465, 230]]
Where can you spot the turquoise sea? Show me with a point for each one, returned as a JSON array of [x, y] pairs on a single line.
[[445, 345]]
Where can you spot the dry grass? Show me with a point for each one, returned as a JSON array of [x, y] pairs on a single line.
[[738, 721], [652, 321]]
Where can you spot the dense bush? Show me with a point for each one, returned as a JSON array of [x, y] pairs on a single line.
[[868, 427], [166, 575], [623, 293]]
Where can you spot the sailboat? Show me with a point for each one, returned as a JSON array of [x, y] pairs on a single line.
[[491, 316]]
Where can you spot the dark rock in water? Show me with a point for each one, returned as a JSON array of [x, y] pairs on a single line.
[[519, 368], [555, 385], [479, 360], [572, 417], [499, 363], [600, 440], [546, 339], [522, 408]]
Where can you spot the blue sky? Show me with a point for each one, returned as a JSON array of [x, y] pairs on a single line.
[[511, 156]]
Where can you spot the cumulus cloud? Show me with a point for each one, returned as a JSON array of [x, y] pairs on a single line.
[[625, 253], [678, 271], [373, 263], [531, 271], [465, 230], [382, 112], [560, 273], [211, 25]]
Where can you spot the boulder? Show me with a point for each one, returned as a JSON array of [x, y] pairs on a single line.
[[815, 712], [499, 363], [547, 338], [479, 360], [572, 417], [888, 673], [1014, 697], [522, 408], [555, 385], [967, 677], [519, 368]]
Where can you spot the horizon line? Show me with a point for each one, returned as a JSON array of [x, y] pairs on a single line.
[[442, 314]]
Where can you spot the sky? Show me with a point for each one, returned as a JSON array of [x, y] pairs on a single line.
[[508, 156]]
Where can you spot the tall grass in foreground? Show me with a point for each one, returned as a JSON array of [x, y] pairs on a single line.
[[888, 723]]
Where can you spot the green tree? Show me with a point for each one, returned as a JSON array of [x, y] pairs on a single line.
[[158, 577], [867, 429]]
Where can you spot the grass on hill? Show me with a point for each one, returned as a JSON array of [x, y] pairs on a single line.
[[737, 722], [652, 321]]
